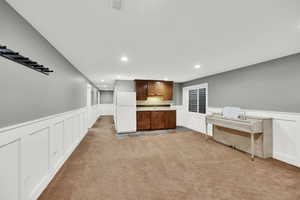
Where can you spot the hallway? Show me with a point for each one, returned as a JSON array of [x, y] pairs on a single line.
[[175, 166]]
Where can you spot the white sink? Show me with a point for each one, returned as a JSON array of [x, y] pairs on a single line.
[[249, 125]]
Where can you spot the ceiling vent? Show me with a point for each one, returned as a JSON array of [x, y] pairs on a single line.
[[117, 4]]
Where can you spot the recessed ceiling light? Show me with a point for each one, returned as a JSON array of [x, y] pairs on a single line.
[[124, 59], [102, 80], [119, 77], [197, 66]]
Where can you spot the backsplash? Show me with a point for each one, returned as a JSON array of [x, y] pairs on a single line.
[[154, 101]]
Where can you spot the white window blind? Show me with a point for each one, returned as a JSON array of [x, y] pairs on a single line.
[[197, 100], [193, 101]]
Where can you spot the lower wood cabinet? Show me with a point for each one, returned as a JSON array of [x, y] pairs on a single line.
[[155, 120], [143, 120], [170, 119]]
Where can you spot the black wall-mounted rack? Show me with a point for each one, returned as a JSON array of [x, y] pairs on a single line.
[[16, 57]]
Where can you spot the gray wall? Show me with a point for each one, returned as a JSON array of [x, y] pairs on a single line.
[[272, 85], [26, 94], [106, 96], [124, 86], [94, 96], [177, 94]]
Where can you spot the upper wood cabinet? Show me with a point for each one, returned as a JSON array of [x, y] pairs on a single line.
[[141, 87], [156, 88], [150, 88], [168, 91]]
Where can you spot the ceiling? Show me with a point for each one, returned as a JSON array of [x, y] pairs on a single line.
[[165, 38]]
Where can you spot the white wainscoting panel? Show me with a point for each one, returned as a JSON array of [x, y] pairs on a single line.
[[31, 153], [77, 128], [179, 114], [68, 134], [57, 144], [106, 109], [10, 170], [35, 161]]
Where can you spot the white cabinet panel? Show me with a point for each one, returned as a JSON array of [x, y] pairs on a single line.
[[9, 171]]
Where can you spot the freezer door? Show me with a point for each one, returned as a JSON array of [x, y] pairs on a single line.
[[126, 99], [126, 119]]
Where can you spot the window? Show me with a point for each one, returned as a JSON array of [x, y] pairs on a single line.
[[197, 100], [193, 103]]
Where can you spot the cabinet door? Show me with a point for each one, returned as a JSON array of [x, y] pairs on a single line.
[[170, 119], [157, 120], [141, 90], [143, 120], [156, 88], [151, 88], [168, 91], [160, 88]]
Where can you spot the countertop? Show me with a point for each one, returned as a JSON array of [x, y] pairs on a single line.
[[154, 108], [247, 116]]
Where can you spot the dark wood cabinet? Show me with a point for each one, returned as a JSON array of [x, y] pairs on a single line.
[[150, 88], [157, 88], [157, 120], [170, 119], [143, 120], [160, 88], [168, 91], [141, 87]]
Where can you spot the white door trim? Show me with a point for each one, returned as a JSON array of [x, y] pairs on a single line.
[[194, 121]]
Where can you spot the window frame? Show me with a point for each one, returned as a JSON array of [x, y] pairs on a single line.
[[197, 87]]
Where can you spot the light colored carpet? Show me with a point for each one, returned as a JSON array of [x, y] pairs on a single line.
[[180, 166]]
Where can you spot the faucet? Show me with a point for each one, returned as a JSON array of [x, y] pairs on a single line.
[[243, 115]]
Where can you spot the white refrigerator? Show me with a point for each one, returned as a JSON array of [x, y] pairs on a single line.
[[125, 111]]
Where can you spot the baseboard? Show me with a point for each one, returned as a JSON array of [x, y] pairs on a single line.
[[286, 158]]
